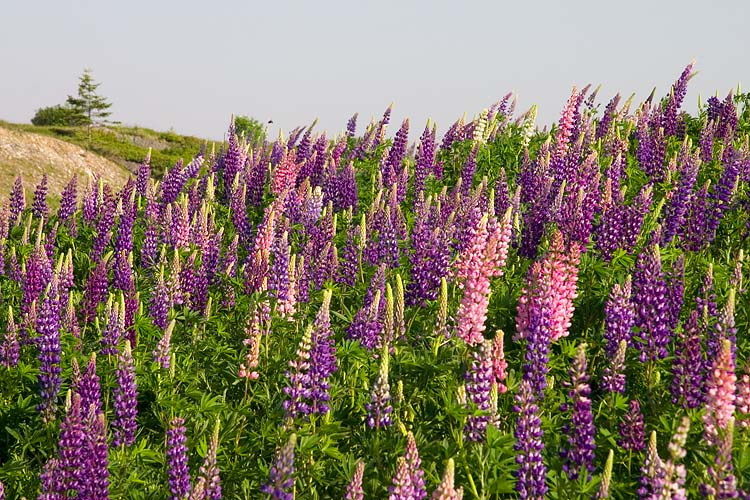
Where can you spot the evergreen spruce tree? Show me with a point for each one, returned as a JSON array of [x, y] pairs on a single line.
[[88, 103]]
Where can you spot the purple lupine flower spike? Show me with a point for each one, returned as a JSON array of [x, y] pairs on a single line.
[[531, 472], [354, 488], [71, 445], [144, 174], [613, 378], [17, 201], [161, 354], [632, 434], [651, 303], [688, 367], [281, 481], [478, 388], [402, 488], [208, 474], [379, 409], [125, 396], [322, 357], [96, 478], [10, 348], [48, 330], [579, 456], [69, 200], [351, 126], [177, 460], [87, 385], [298, 374], [39, 207], [619, 315]]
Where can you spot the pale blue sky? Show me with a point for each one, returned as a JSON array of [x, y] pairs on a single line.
[[188, 65]]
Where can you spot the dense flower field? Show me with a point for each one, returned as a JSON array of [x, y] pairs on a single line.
[[499, 313]]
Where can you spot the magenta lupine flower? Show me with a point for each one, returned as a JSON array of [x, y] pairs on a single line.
[[479, 381], [402, 488], [415, 467], [177, 460], [125, 396], [17, 201], [281, 480], [632, 434], [688, 367], [446, 489], [579, 456], [10, 348], [379, 408], [619, 314], [161, 354], [499, 365], [48, 342], [743, 397], [69, 199], [651, 304], [720, 394], [482, 260], [613, 378], [550, 290], [285, 174], [531, 472], [354, 488]]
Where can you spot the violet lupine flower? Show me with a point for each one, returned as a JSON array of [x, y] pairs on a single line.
[[10, 349], [652, 478], [379, 408], [144, 174], [695, 231], [402, 488], [675, 98], [367, 324], [17, 201], [177, 460], [299, 377], [96, 476], [619, 314], [721, 195], [446, 489], [651, 304], [603, 126], [613, 378], [125, 396], [71, 446], [721, 473], [425, 158], [161, 354], [479, 381], [39, 206], [69, 200], [579, 457], [37, 276], [208, 474], [322, 357], [635, 216], [720, 398], [281, 481], [531, 472], [468, 170], [688, 368], [48, 341], [354, 488], [159, 304], [632, 434], [87, 385], [482, 260], [113, 330], [351, 125], [677, 210], [675, 281], [429, 257]]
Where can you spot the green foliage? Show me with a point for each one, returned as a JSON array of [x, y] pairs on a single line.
[[65, 116], [251, 129]]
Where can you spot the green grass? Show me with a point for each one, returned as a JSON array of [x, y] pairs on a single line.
[[126, 146]]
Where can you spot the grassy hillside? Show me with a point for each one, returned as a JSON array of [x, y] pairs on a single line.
[[126, 146]]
